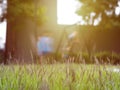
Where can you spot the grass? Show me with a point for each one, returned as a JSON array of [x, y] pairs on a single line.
[[68, 76]]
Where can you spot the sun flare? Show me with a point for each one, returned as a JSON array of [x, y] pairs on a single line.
[[66, 12]]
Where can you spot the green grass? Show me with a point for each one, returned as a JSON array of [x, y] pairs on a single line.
[[59, 77]]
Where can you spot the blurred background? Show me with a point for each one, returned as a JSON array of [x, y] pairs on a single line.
[[22, 22]]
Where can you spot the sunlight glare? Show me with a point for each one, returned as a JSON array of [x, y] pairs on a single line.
[[66, 12]]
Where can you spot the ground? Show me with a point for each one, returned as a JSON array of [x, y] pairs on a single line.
[[68, 76]]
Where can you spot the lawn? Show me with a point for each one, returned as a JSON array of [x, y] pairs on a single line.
[[67, 76]]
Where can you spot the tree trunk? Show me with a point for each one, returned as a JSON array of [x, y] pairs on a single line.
[[20, 40]]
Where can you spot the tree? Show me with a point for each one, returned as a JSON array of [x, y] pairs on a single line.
[[3, 10], [104, 12], [102, 9], [23, 16]]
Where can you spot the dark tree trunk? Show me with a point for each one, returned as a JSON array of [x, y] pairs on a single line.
[[20, 40]]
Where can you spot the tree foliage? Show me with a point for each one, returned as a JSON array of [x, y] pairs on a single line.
[[24, 8], [104, 9], [3, 12], [28, 9]]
